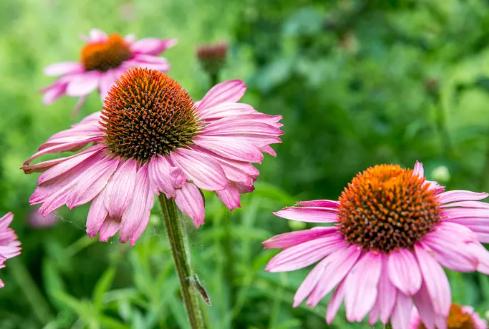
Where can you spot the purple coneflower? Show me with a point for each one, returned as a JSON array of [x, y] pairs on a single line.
[[9, 245], [392, 232], [460, 317], [151, 138]]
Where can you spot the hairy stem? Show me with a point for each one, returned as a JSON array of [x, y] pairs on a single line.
[[180, 253]]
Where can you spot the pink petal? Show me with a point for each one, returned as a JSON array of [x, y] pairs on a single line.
[[152, 46], [464, 213], [467, 204], [190, 202], [305, 254], [338, 266], [236, 127], [286, 240], [231, 148], [107, 80], [109, 228], [418, 169], [96, 215], [120, 188], [224, 92], [361, 286], [461, 195], [224, 110], [203, 170], [63, 68], [404, 271], [91, 182], [425, 308], [335, 302], [387, 293], [436, 281], [53, 93], [136, 216], [402, 312], [83, 84], [230, 197], [309, 214], [160, 178], [97, 35], [6, 220], [319, 203]]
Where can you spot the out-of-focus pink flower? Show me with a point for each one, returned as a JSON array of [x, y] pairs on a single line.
[[9, 245], [460, 317], [392, 232], [103, 60], [38, 221], [151, 138], [212, 57]]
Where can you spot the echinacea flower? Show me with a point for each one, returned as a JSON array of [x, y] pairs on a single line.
[[9, 245], [104, 58], [151, 138], [460, 317], [392, 232], [212, 57], [38, 221]]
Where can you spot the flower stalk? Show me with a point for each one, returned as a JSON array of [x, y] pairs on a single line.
[[181, 256]]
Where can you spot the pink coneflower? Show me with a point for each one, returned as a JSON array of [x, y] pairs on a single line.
[[393, 231], [460, 317], [103, 60], [152, 138], [38, 221], [9, 245]]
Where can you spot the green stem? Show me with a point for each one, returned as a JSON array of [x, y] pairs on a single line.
[[181, 257], [214, 77]]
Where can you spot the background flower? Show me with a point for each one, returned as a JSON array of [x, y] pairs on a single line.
[[393, 231], [9, 245], [104, 58], [460, 317]]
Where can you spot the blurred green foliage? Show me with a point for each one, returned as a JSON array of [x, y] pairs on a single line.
[[358, 83]]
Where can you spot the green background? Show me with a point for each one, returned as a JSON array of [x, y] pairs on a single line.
[[357, 82]]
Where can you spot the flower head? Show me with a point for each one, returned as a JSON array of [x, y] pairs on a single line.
[[151, 138], [9, 245], [212, 57], [104, 58], [38, 221], [460, 317], [392, 232]]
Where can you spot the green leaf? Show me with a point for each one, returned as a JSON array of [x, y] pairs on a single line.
[[102, 286]]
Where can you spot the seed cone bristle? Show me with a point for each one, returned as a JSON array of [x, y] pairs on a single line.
[[103, 56], [147, 113], [386, 208]]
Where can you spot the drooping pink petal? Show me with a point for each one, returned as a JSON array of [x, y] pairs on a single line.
[[230, 196], [435, 279], [96, 215], [203, 170], [190, 202], [309, 214], [467, 204], [137, 213], [305, 254], [53, 93], [160, 178], [225, 92], [286, 240], [6, 220], [425, 308], [91, 182], [120, 188], [404, 271], [461, 195], [338, 266], [387, 293], [83, 84], [63, 68], [109, 228], [335, 302], [231, 148], [361, 286], [152, 46], [402, 312], [107, 80]]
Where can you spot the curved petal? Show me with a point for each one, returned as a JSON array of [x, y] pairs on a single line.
[[335, 302], [402, 312], [191, 203], [63, 68], [404, 271], [152, 46], [97, 35], [460, 195], [230, 197], [225, 92], [120, 188], [286, 240], [309, 214], [361, 286], [83, 84]]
